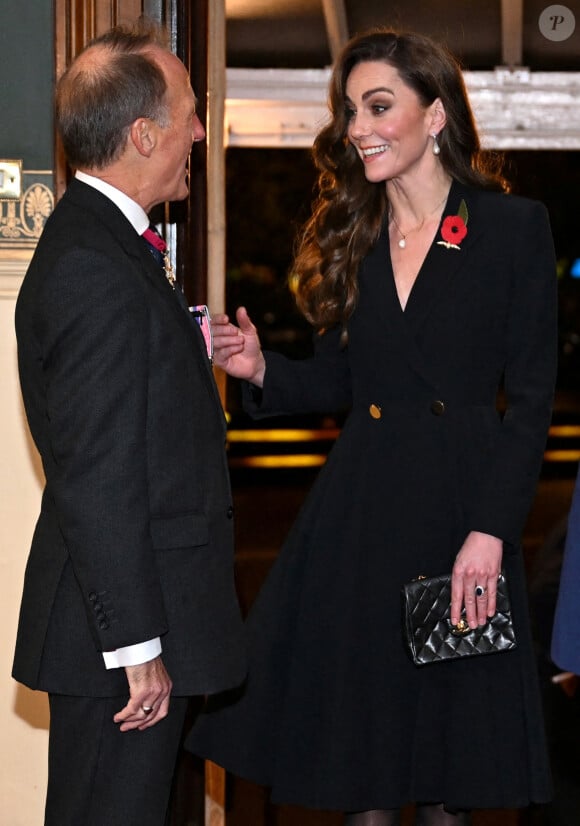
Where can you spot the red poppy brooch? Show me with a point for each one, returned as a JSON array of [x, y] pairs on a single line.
[[454, 228]]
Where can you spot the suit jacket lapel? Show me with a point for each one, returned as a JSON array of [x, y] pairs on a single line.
[[135, 248], [183, 316]]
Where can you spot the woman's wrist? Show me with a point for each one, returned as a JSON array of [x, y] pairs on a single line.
[[257, 378]]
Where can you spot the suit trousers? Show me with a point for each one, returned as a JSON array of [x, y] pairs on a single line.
[[100, 776]]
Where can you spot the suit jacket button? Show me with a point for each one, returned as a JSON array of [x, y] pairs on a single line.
[[437, 407], [375, 411], [92, 596], [103, 625], [230, 512]]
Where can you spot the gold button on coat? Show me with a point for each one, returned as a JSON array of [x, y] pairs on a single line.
[[437, 407], [375, 411]]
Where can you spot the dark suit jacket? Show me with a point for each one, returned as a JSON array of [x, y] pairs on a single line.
[[566, 630], [134, 538]]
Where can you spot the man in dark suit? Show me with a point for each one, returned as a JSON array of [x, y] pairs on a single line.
[[129, 605]]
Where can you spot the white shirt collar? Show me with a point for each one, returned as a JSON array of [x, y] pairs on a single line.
[[135, 214]]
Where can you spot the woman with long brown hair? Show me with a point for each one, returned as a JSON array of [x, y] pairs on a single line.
[[430, 290]]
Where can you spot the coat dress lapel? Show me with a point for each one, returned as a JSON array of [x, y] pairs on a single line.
[[442, 265], [438, 273]]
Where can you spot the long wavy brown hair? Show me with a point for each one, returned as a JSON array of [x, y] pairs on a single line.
[[348, 210]]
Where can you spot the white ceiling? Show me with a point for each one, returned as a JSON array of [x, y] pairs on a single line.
[[524, 87], [483, 33]]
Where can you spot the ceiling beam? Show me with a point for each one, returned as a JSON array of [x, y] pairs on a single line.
[[336, 26], [512, 32], [514, 110]]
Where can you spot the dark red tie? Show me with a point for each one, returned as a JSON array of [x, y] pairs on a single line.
[[152, 237], [157, 245]]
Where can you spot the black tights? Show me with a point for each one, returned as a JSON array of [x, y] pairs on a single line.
[[426, 815]]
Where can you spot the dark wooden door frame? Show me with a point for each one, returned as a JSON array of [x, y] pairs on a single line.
[[190, 28]]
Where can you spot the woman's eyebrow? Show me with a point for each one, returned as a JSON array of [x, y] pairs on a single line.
[[378, 89]]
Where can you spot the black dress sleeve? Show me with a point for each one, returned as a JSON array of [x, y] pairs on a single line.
[[320, 384], [509, 485]]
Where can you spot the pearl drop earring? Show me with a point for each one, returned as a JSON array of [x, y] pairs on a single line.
[[436, 147]]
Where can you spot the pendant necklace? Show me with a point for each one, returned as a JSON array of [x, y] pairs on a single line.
[[402, 242]]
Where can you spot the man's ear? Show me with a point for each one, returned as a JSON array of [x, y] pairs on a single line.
[[142, 136]]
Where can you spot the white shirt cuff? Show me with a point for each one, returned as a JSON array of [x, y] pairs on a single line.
[[141, 652]]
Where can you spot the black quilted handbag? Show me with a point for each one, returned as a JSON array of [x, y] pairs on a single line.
[[432, 638]]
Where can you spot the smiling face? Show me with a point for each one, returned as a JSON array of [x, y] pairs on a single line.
[[388, 124], [173, 140]]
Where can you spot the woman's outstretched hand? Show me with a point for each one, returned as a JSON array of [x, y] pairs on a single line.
[[237, 350]]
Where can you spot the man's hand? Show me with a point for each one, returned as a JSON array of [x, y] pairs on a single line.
[[149, 688]]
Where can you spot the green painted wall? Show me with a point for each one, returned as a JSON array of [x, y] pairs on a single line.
[[26, 82]]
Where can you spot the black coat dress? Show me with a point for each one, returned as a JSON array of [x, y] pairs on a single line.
[[334, 714]]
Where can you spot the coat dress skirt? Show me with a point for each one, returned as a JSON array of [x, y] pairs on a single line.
[[334, 715]]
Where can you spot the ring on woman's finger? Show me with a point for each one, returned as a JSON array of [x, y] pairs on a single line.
[[480, 590], [146, 709]]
